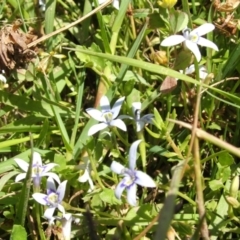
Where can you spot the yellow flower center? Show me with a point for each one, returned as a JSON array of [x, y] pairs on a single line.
[[37, 170], [52, 198], [108, 116], [194, 37]]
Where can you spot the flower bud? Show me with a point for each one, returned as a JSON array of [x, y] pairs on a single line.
[[159, 57], [233, 202], [234, 187], [167, 3]]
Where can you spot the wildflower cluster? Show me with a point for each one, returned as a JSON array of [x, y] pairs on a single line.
[[52, 199], [109, 119]]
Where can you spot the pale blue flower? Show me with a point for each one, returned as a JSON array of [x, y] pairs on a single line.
[[106, 116], [140, 121], [38, 170], [192, 38], [53, 198], [115, 3], [132, 177]]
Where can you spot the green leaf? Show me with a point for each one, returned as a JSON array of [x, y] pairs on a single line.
[[157, 20], [183, 60], [178, 21], [215, 185], [6, 177], [107, 196], [18, 233], [130, 75], [225, 159]]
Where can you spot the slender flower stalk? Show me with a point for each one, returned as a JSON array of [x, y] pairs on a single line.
[[53, 198], [192, 38], [38, 170], [132, 177], [107, 116]]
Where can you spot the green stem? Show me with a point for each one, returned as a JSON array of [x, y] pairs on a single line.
[[38, 218], [142, 149], [94, 168], [120, 137]]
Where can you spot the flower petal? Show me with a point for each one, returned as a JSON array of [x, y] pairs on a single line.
[[66, 225], [139, 125], [61, 208], [105, 104], [203, 29], [117, 167], [49, 166], [144, 180], [190, 69], [52, 175], [125, 117], [117, 107], [133, 154], [95, 114], [40, 198], [50, 185], [20, 176], [96, 128], [116, 4], [48, 214], [136, 106], [36, 181], [194, 49], [61, 190], [119, 189], [3, 79], [202, 72], [132, 195], [206, 43], [22, 164], [147, 118], [37, 158], [119, 124], [172, 40], [84, 177]]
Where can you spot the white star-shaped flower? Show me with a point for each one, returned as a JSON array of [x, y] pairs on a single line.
[[38, 170], [53, 198], [106, 116], [131, 177], [192, 39]]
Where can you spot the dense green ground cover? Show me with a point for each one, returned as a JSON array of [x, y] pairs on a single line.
[[170, 71]]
